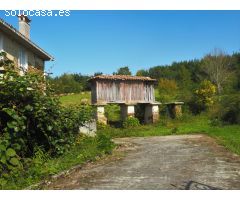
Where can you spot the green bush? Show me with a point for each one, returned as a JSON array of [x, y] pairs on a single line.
[[228, 110], [175, 130], [30, 118], [42, 165], [101, 126], [205, 93], [203, 97], [131, 122], [105, 144]]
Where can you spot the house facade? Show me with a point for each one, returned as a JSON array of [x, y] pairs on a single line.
[[19, 48]]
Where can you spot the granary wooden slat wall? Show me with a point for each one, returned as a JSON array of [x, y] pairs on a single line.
[[104, 91], [93, 92]]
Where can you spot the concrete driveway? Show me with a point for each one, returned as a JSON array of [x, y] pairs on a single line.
[[165, 162]]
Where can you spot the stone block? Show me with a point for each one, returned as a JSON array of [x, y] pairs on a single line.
[[100, 117], [175, 109], [89, 128], [151, 114], [127, 111]]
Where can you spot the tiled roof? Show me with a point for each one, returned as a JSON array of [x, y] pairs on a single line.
[[122, 77], [9, 29]]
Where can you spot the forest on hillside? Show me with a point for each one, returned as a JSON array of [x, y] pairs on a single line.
[[187, 74], [199, 83]]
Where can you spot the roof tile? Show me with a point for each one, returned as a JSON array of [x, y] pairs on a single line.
[[122, 77]]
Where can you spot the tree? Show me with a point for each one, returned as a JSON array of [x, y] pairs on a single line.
[[66, 83], [236, 69], [167, 90], [203, 97], [123, 71], [184, 77], [142, 72], [98, 73], [205, 93], [70, 83], [82, 80], [217, 65]]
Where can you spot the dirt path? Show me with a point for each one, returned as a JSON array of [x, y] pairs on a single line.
[[167, 162]]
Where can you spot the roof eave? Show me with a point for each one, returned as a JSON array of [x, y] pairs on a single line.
[[25, 41], [118, 79]]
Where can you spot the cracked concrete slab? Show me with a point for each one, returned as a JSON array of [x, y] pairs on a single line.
[[161, 162]]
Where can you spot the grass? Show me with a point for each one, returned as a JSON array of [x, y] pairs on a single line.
[[112, 111], [86, 148], [228, 136], [43, 166], [75, 99]]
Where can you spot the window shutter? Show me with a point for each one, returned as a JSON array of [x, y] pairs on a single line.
[[23, 60]]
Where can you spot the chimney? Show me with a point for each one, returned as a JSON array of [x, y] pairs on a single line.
[[24, 25]]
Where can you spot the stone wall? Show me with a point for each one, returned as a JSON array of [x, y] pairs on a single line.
[[89, 128]]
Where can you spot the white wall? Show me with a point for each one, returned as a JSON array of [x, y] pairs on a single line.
[[1, 42]]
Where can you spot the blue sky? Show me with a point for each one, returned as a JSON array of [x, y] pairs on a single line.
[[93, 41]]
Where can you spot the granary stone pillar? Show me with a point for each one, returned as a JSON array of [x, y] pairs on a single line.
[[175, 109], [127, 110], [100, 111], [151, 113]]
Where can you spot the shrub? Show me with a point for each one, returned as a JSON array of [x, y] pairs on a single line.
[[205, 93], [104, 143], [203, 97], [30, 118], [101, 125], [228, 110], [175, 130], [42, 165], [131, 122]]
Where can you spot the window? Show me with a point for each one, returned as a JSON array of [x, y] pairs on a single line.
[[23, 60]]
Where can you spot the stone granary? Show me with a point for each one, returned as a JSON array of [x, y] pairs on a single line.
[[126, 91]]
